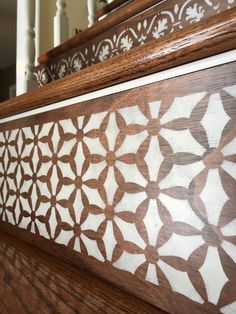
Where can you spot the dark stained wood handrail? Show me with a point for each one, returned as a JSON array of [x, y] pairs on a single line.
[[110, 7], [131, 9], [209, 37]]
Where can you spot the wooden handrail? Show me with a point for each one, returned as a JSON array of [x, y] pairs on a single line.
[[131, 9], [110, 7], [209, 37]]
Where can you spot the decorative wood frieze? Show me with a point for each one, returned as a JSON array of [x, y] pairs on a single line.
[[165, 18], [138, 186]]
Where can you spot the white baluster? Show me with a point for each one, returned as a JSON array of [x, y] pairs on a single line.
[[91, 12], [61, 23], [29, 82], [37, 30]]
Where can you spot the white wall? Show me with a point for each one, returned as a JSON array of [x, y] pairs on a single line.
[[77, 13]]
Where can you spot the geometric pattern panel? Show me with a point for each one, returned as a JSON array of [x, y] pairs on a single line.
[[165, 18], [148, 188]]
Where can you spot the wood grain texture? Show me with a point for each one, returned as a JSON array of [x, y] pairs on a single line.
[[110, 7], [130, 10], [158, 21], [207, 38], [34, 282], [192, 121]]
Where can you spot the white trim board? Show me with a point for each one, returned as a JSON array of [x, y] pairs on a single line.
[[195, 66]]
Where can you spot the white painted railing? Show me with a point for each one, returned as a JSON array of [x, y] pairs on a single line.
[[25, 46], [29, 81], [91, 12], [61, 23]]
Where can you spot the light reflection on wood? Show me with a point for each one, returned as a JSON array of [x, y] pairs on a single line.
[[34, 282]]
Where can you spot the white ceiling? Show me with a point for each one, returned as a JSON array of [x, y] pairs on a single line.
[[7, 33]]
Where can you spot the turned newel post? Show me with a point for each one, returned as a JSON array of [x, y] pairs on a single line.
[[61, 23], [29, 82], [91, 12]]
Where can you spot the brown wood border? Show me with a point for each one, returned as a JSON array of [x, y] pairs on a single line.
[[209, 37], [124, 99]]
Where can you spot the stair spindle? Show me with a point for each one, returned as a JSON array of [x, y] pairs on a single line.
[[91, 12], [61, 23], [29, 82]]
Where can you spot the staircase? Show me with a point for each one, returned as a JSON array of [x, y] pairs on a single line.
[[132, 25], [121, 168]]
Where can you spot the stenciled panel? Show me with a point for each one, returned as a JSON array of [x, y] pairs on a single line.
[[165, 18], [139, 185]]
